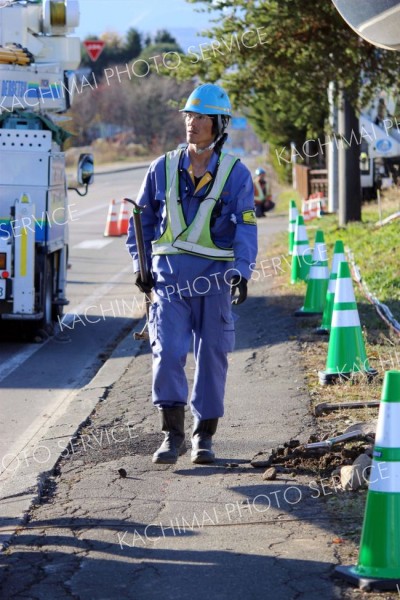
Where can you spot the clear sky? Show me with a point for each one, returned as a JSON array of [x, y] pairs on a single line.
[[147, 16]]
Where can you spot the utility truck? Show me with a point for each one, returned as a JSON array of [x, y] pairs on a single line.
[[379, 156], [37, 62]]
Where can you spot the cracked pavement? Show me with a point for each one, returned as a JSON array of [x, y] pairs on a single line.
[[186, 531]]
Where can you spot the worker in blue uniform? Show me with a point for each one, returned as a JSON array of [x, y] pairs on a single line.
[[200, 234]]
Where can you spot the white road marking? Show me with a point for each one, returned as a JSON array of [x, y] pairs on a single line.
[[93, 298], [92, 244], [89, 211]]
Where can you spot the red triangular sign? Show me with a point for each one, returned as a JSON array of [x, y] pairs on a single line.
[[94, 48]]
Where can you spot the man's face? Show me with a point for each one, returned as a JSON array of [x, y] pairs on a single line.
[[199, 129]]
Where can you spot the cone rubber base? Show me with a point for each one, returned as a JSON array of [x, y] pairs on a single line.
[[366, 583], [306, 313], [321, 331], [328, 378]]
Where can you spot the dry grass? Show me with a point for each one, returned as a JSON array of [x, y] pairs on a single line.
[[108, 152], [380, 269]]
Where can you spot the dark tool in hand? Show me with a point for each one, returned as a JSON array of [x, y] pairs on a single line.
[[146, 279]]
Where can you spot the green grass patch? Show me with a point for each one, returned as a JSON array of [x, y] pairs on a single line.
[[375, 249]]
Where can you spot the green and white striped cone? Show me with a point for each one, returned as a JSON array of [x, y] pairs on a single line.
[[293, 213], [301, 256], [346, 349], [318, 278], [379, 557], [338, 256]]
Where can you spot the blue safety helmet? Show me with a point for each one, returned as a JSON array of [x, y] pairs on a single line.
[[259, 171], [208, 99]]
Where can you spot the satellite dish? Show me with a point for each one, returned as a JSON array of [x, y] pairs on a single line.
[[377, 21]]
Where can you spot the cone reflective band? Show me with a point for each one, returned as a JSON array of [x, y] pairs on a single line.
[[346, 349], [293, 213], [379, 557], [123, 218], [338, 256], [317, 285], [301, 257]]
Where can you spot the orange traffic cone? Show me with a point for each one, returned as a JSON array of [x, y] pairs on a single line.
[[123, 219], [112, 222], [305, 211]]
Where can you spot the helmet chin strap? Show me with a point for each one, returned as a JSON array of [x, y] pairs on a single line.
[[210, 147]]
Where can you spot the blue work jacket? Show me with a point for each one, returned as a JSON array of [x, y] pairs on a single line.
[[233, 225]]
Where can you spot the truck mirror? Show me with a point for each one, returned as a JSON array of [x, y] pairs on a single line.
[[377, 21], [85, 169]]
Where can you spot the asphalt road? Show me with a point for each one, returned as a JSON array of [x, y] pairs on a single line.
[[184, 531], [38, 382]]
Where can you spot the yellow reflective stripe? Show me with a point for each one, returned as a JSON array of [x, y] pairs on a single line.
[[197, 236], [164, 248], [249, 217], [24, 253], [175, 221], [259, 193], [196, 231], [200, 250]]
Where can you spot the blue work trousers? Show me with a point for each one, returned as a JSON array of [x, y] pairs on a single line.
[[173, 324]]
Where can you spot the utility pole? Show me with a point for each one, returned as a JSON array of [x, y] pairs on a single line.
[[333, 162], [349, 163]]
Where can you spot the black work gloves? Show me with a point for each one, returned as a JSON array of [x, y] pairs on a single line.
[[239, 285], [147, 286]]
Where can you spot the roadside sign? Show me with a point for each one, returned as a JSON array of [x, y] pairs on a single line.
[[94, 48]]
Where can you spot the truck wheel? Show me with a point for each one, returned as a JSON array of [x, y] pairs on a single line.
[[47, 321], [44, 328]]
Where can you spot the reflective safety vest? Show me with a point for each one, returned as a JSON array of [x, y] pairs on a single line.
[[258, 192], [195, 238]]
